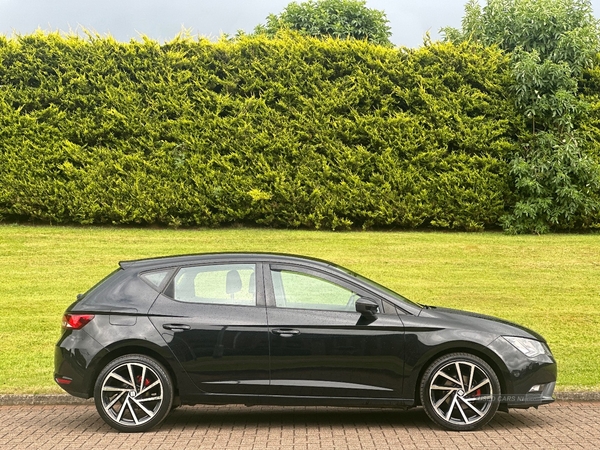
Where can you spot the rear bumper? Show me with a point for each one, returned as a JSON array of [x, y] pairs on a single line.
[[72, 357]]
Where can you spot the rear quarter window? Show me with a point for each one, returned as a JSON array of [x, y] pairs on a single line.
[[156, 278]]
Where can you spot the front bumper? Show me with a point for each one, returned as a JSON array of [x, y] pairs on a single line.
[[535, 399], [522, 374]]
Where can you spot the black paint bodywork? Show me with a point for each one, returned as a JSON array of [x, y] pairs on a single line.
[[267, 355]]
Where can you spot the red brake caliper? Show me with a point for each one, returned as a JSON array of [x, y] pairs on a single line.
[[146, 381]]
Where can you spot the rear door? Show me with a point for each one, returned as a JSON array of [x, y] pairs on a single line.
[[213, 318]]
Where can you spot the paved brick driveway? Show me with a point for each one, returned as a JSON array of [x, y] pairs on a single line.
[[560, 425]]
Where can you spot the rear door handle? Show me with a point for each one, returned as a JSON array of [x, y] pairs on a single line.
[[285, 332], [176, 326]]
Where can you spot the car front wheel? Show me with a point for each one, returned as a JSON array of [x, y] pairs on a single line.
[[133, 393], [460, 392]]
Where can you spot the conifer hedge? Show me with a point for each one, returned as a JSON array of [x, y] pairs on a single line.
[[282, 132]]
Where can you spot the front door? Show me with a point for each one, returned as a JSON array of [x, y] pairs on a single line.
[[320, 345]]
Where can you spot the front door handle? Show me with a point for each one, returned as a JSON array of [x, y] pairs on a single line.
[[285, 332], [176, 326]]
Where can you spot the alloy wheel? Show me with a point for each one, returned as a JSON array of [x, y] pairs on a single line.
[[460, 392], [133, 393]]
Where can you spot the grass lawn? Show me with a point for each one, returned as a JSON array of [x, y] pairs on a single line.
[[549, 283]]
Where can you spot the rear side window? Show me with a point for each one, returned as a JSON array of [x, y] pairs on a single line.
[[226, 284]]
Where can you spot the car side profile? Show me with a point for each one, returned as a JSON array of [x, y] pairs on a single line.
[[273, 329]]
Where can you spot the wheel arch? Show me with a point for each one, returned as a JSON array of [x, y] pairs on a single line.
[[129, 348], [493, 361]]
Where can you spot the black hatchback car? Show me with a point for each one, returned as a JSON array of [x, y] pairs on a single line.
[[277, 329]]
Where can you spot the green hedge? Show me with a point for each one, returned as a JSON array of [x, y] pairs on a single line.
[[284, 132]]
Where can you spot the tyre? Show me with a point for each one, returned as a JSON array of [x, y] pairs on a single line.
[[460, 392], [133, 393]]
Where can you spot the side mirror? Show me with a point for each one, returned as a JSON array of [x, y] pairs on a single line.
[[367, 307]]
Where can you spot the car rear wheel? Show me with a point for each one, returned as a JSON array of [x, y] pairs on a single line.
[[133, 393], [460, 392]]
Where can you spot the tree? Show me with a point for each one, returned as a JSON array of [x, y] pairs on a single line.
[[551, 42], [341, 19]]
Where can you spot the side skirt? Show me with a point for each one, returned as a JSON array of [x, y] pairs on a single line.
[[284, 400]]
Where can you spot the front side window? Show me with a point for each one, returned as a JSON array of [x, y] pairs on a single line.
[[226, 284], [300, 290]]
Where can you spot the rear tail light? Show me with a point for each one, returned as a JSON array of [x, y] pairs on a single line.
[[76, 321]]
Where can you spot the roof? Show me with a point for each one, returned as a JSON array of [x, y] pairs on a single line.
[[177, 260]]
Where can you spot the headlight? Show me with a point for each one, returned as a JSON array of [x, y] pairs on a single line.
[[529, 347]]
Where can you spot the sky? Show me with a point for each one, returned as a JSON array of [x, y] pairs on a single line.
[[163, 19]]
